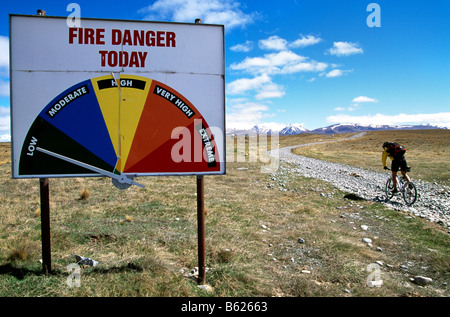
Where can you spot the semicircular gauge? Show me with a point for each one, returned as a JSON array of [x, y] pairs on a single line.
[[132, 126]]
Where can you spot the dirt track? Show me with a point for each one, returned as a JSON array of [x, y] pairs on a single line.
[[433, 201]]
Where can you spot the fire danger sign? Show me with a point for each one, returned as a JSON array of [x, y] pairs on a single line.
[[116, 98]]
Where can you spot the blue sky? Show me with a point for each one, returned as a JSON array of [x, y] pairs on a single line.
[[315, 62]]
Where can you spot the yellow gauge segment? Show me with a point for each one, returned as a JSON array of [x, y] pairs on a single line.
[[121, 101]]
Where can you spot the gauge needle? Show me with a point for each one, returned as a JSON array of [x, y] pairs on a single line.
[[121, 178]]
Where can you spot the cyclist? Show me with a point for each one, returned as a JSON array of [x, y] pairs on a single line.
[[396, 153]]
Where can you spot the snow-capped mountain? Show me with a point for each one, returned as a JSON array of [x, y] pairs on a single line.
[[298, 128], [352, 127], [290, 129]]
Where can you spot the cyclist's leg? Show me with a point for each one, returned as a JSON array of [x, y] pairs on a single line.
[[394, 169], [394, 181], [404, 167], [406, 176]]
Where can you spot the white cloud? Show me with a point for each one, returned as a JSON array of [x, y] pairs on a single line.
[[5, 124], [353, 107], [345, 49], [273, 43], [364, 99], [276, 126], [270, 90], [280, 63], [277, 43], [356, 101], [284, 62], [334, 73], [270, 63], [4, 52], [245, 47], [350, 108], [4, 110], [245, 115], [241, 86], [305, 41], [310, 66], [4, 64], [4, 88], [235, 101], [263, 85], [437, 119], [226, 12]]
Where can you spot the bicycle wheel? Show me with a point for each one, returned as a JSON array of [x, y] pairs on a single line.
[[409, 193], [389, 188]]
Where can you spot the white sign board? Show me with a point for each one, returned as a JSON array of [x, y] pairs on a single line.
[[116, 98]]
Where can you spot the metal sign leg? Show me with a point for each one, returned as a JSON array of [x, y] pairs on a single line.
[[45, 225], [201, 229]]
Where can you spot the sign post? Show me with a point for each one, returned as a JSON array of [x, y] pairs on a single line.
[[201, 229], [201, 222], [45, 225], [45, 214], [116, 98]]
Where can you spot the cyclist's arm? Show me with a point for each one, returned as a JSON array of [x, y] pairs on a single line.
[[384, 156]]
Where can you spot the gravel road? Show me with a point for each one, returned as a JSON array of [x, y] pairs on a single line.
[[433, 202]]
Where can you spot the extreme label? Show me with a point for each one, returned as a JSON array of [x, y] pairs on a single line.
[[207, 144]]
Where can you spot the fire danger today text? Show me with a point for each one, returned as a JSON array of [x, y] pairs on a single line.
[[122, 39]]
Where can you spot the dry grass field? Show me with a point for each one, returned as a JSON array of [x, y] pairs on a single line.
[[427, 151], [145, 240]]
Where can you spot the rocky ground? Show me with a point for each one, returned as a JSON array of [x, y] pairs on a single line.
[[433, 202]]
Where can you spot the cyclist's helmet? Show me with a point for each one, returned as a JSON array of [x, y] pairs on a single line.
[[385, 144]]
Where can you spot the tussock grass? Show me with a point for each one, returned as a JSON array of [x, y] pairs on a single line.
[[145, 240], [85, 193]]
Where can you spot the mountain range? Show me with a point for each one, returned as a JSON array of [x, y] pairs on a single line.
[[298, 128]]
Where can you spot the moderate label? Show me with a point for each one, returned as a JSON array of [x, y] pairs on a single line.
[[66, 100]]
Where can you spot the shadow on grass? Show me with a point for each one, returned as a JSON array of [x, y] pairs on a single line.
[[20, 272]]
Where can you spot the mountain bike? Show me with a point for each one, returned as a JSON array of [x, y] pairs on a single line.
[[407, 189]]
